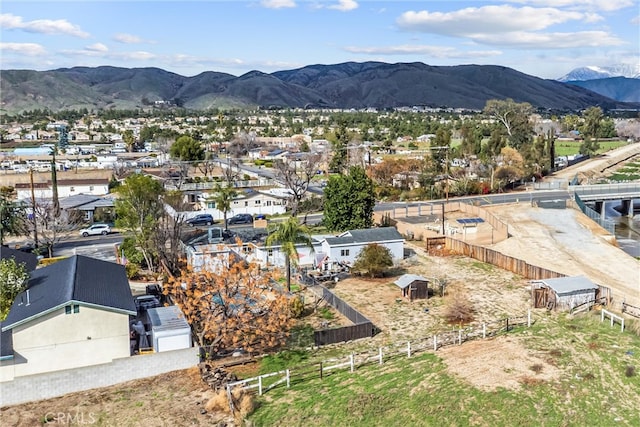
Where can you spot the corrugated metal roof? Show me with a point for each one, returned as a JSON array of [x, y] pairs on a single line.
[[78, 280], [567, 285], [167, 318], [407, 279]]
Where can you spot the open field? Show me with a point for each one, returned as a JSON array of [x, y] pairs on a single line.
[[569, 372]]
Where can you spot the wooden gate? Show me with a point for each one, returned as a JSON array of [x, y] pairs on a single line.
[[540, 298]]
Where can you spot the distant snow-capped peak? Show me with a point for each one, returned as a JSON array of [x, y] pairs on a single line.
[[593, 72]]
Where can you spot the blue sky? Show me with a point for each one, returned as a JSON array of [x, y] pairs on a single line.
[[544, 38]]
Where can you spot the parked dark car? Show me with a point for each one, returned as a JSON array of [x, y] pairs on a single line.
[[241, 219], [201, 219]]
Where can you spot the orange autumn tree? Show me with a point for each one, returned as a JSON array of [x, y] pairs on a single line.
[[231, 306]]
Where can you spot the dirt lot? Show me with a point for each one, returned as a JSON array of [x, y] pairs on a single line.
[[566, 241], [174, 399]]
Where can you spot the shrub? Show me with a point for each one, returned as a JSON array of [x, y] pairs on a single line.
[[132, 270], [296, 306], [537, 368], [630, 371], [459, 309]]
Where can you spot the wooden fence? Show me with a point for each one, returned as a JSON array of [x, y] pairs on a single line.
[[631, 310], [301, 373], [362, 327], [501, 260]]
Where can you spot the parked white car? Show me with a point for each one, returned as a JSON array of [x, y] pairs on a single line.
[[96, 229]]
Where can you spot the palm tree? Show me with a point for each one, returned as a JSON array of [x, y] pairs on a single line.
[[288, 234], [223, 198]]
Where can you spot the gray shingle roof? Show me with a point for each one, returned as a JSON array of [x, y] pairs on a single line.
[[30, 260], [366, 235], [567, 285], [78, 279]]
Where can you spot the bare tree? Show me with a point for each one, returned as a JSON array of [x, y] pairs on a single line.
[[241, 144], [296, 175], [169, 231], [208, 165], [53, 225]]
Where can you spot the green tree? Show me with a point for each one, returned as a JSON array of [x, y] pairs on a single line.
[[288, 235], [514, 117], [349, 201], [187, 149], [339, 143], [12, 215], [593, 119], [373, 260], [223, 198], [139, 208], [13, 280], [129, 139]]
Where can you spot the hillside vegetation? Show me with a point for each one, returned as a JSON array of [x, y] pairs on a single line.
[[348, 85]]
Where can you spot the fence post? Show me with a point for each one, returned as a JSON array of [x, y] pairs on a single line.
[[622, 324], [460, 337], [528, 318], [320, 370], [484, 330], [230, 398], [260, 385], [408, 348], [288, 379], [602, 316], [380, 354], [507, 324], [435, 343], [612, 321], [351, 358]]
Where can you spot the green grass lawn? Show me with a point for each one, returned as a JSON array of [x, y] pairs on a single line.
[[568, 148], [595, 386]]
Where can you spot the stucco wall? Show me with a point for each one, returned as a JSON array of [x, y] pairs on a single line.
[[63, 341]]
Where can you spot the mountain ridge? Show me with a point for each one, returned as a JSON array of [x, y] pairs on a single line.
[[346, 85]]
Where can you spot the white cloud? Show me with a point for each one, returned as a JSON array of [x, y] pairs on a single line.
[[127, 38], [97, 47], [635, 20], [28, 49], [344, 5], [278, 4], [42, 26], [592, 5], [529, 40], [433, 51], [486, 19]]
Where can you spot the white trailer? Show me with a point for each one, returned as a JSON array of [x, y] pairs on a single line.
[[168, 328]]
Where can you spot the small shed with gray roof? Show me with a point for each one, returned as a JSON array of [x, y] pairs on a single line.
[[563, 293], [413, 286]]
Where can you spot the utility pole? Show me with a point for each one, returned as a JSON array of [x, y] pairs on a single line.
[[33, 210]]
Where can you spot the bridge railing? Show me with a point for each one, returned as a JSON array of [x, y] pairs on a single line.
[[594, 190], [607, 224]]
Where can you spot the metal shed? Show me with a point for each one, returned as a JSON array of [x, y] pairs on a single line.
[[413, 286], [168, 328], [563, 293]]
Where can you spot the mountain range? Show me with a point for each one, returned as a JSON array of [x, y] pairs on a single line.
[[346, 85], [620, 82]]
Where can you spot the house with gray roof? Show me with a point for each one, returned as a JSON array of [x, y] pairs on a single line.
[[73, 313], [344, 248]]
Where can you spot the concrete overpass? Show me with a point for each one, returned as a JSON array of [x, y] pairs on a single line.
[[602, 193]]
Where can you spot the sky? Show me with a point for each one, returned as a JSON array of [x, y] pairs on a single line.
[[543, 38]]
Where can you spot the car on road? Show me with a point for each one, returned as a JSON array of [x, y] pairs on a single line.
[[241, 219], [201, 219], [96, 229]]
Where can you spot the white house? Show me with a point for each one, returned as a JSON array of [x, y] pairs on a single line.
[[345, 248], [251, 202], [73, 313], [327, 253], [66, 188]]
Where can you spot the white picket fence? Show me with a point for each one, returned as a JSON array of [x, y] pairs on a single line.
[[263, 383]]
